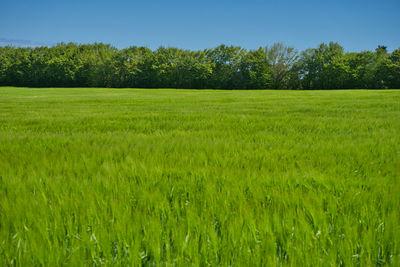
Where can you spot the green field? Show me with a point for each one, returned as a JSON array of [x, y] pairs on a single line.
[[199, 177]]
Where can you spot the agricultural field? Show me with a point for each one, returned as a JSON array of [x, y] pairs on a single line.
[[199, 177]]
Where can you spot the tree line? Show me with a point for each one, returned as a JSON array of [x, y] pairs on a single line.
[[225, 67]]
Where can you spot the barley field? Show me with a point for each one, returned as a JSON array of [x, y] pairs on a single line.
[[129, 177]]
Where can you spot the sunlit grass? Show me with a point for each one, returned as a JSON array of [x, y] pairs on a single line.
[[187, 177]]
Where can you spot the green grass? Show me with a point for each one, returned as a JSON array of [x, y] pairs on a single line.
[[187, 177]]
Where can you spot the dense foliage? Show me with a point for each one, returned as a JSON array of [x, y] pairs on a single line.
[[228, 67]]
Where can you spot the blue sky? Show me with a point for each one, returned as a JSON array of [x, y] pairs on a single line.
[[357, 25]]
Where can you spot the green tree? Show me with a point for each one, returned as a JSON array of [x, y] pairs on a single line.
[[388, 70], [256, 70], [323, 67], [226, 61], [281, 59]]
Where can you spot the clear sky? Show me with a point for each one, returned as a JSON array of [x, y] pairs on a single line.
[[356, 24]]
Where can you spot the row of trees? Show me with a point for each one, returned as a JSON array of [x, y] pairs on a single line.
[[225, 67]]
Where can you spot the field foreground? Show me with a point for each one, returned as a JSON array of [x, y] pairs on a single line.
[[186, 177]]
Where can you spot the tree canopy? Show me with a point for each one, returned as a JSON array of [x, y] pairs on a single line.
[[225, 67]]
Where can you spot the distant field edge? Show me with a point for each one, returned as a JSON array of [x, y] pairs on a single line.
[[196, 89]]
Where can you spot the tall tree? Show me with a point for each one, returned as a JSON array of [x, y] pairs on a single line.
[[323, 67], [226, 62], [281, 59]]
